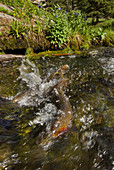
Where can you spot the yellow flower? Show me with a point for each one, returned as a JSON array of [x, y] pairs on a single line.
[[23, 13], [14, 15]]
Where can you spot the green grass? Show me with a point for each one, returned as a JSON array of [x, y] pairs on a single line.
[[107, 23], [3, 10], [110, 37], [54, 22]]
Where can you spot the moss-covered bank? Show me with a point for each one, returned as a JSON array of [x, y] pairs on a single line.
[[34, 41], [20, 32]]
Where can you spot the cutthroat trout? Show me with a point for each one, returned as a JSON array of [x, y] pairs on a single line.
[[41, 90], [63, 104], [63, 121], [52, 88]]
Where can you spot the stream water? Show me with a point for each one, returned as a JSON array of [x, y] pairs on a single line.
[[88, 143]]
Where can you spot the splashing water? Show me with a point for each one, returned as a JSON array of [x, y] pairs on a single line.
[[38, 88], [39, 94], [30, 73]]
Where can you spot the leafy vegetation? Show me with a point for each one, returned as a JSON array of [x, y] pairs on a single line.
[[62, 28], [96, 8], [57, 27], [17, 28], [93, 8]]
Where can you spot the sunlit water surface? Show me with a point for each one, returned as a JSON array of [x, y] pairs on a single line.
[[88, 144]]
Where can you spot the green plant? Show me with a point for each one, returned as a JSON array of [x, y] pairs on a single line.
[[77, 21], [109, 37], [22, 7], [2, 9], [97, 35], [61, 27], [17, 28], [57, 28], [38, 27], [108, 23], [96, 8]]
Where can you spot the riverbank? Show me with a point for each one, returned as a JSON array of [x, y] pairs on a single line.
[[23, 28]]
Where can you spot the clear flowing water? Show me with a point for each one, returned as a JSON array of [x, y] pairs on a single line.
[[26, 124]]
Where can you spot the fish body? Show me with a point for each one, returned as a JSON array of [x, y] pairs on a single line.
[[63, 121], [54, 89], [41, 90]]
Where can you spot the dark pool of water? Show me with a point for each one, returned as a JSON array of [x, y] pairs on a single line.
[[88, 144]]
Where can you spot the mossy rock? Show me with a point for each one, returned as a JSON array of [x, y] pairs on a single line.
[[31, 55], [65, 52]]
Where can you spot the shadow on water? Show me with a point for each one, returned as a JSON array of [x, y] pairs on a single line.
[[27, 123]]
